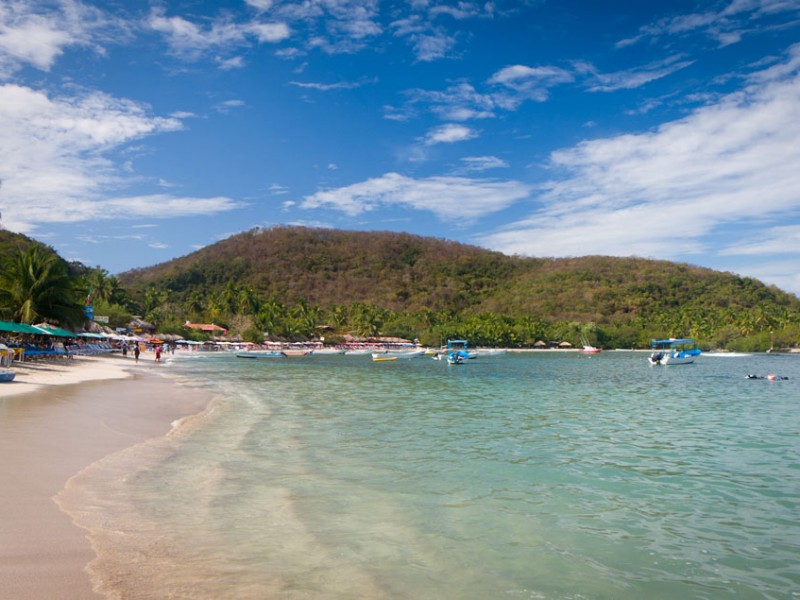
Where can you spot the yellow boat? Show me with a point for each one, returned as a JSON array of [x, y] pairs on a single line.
[[383, 358]]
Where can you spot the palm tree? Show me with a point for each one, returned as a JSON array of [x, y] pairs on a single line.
[[248, 302], [35, 286], [194, 305]]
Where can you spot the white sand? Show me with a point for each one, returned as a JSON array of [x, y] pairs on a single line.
[[56, 418], [35, 375]]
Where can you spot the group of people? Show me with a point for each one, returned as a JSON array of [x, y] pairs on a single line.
[[136, 349]]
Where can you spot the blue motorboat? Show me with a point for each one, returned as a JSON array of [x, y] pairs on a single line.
[[673, 351], [457, 352]]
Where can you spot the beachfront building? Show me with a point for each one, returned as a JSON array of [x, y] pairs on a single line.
[[210, 328]]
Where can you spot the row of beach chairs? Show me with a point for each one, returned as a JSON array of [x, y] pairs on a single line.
[[90, 349], [33, 351]]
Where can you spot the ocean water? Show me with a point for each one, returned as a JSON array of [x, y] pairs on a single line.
[[522, 476]]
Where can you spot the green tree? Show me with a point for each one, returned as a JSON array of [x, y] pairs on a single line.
[[36, 286]]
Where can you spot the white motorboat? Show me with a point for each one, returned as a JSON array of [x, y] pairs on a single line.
[[674, 351]]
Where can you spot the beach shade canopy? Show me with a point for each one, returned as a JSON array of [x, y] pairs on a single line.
[[12, 327], [45, 329]]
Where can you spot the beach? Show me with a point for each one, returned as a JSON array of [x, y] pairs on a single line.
[[57, 418]]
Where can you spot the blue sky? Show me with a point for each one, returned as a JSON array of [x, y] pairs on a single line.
[[134, 132]]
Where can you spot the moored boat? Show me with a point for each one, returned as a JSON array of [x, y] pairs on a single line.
[[458, 352], [674, 351], [358, 352], [397, 354], [260, 354], [327, 351], [7, 375], [294, 352], [587, 348]]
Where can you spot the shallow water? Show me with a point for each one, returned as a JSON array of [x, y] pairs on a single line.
[[539, 475]]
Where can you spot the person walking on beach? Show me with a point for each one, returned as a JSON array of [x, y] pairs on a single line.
[[158, 353], [136, 352]]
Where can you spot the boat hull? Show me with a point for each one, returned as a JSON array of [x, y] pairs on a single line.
[[402, 354], [673, 360], [256, 354]]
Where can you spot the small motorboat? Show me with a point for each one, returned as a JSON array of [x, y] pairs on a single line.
[[294, 352], [397, 354], [458, 352], [587, 348], [674, 351], [261, 354]]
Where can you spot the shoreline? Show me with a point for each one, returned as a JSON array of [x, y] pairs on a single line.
[[56, 419]]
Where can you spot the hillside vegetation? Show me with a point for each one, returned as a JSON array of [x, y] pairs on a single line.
[[290, 281], [36, 285]]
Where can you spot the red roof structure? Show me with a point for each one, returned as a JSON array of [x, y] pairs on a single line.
[[207, 327]]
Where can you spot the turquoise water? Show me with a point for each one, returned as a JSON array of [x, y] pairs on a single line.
[[539, 475]]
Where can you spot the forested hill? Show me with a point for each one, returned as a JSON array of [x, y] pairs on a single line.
[[402, 272]]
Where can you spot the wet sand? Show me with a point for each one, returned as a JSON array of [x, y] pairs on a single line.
[[55, 420]]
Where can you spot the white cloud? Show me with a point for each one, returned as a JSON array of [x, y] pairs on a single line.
[[36, 41], [277, 190], [520, 77], [783, 239], [459, 11], [157, 206], [510, 87], [528, 83], [456, 198], [429, 42], [270, 32], [55, 159], [37, 34], [433, 45], [728, 165], [260, 5], [227, 105], [449, 133], [483, 163], [459, 102], [636, 77], [334, 26], [191, 41], [327, 87], [727, 26], [228, 64]]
